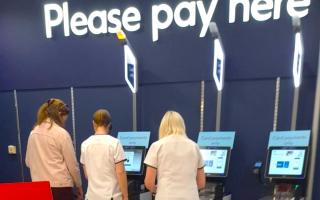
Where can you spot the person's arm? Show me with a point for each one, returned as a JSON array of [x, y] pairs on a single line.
[[119, 158], [69, 156], [27, 153], [151, 162], [201, 178], [122, 179], [84, 171], [150, 179], [82, 160], [79, 193]]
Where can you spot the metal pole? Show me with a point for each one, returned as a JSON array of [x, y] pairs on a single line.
[[202, 106], [276, 104], [315, 134], [73, 119], [19, 133], [218, 114], [295, 105], [134, 111], [275, 118]]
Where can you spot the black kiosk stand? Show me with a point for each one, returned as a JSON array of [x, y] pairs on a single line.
[[135, 170], [286, 167], [288, 151], [216, 160], [287, 164], [135, 144]]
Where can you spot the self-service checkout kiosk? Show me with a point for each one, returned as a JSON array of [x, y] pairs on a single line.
[[216, 161], [134, 159], [287, 163], [135, 145], [215, 148]]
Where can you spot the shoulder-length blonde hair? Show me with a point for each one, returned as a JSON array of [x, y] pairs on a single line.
[[172, 124]]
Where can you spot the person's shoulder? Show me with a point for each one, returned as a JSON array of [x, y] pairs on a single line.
[[158, 143], [34, 130], [86, 141], [60, 132], [112, 139], [59, 129], [38, 129], [191, 142]]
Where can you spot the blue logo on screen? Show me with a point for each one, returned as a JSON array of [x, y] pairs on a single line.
[[208, 163], [131, 73], [286, 164], [280, 164], [219, 69], [283, 164]]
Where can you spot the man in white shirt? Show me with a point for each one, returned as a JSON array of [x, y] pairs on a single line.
[[102, 157]]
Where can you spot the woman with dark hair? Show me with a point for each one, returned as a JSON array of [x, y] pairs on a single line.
[[103, 159], [50, 153]]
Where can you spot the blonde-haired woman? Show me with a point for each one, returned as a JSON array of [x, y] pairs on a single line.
[[175, 161]]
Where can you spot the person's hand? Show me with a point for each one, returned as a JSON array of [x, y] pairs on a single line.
[[125, 197], [79, 193]]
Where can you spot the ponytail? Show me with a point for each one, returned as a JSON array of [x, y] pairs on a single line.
[[42, 114], [54, 110]]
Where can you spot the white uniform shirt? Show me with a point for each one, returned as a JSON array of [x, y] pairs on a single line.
[[177, 160], [99, 155]]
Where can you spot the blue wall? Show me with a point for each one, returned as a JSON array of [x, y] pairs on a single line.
[[9, 164], [29, 102], [170, 74], [247, 108], [254, 49]]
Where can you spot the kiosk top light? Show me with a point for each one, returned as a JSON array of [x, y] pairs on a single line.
[[298, 60], [121, 35]]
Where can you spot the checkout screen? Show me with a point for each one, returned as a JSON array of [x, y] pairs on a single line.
[[134, 160], [214, 160], [287, 161]]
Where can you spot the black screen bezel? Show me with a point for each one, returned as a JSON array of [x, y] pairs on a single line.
[[142, 159], [286, 176], [226, 169]]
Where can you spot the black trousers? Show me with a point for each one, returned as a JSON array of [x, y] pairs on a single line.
[[63, 193]]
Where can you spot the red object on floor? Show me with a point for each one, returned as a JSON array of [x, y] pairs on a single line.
[[26, 191]]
